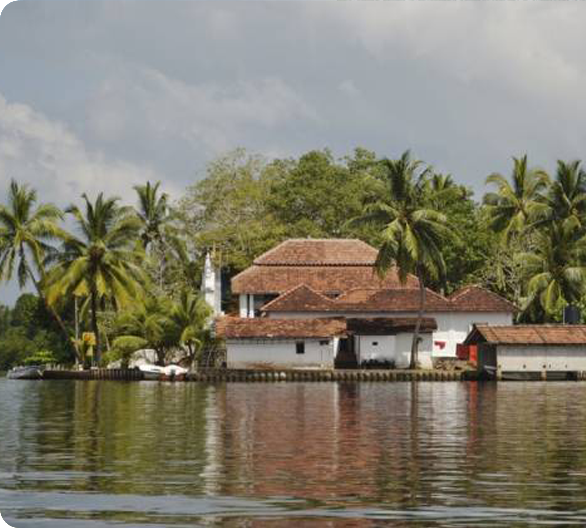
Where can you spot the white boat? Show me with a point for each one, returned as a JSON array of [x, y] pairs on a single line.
[[152, 372], [173, 371], [155, 373], [25, 373]]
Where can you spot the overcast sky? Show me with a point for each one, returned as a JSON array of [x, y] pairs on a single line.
[[103, 95]]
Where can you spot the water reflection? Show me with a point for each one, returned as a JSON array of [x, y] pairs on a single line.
[[292, 454]]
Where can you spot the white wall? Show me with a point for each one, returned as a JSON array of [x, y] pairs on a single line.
[[248, 353], [404, 342], [396, 348], [375, 347], [527, 358], [453, 327]]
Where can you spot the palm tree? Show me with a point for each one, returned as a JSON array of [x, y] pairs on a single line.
[[566, 199], [440, 190], [191, 316], [153, 212], [147, 325], [412, 234], [512, 206], [555, 269], [102, 264], [26, 231]]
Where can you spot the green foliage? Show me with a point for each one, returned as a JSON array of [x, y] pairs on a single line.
[[165, 326], [135, 271], [28, 328], [313, 196], [42, 357], [227, 211], [103, 264], [25, 233], [413, 231], [5, 318]]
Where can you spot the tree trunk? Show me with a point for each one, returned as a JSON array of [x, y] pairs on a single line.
[[414, 363], [49, 308], [94, 309], [160, 356]]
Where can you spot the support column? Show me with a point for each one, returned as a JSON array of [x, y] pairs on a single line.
[[243, 299], [251, 306]]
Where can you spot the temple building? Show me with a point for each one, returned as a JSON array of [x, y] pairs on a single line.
[[300, 304]]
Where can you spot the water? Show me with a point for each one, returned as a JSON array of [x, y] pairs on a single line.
[[96, 454]]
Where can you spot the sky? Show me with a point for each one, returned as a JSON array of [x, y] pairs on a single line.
[[103, 95]]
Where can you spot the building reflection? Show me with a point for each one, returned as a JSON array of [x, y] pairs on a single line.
[[334, 442]]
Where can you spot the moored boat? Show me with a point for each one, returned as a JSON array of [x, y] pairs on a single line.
[[174, 373], [25, 373], [151, 372]]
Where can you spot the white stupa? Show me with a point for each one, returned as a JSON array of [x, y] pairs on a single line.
[[211, 286]]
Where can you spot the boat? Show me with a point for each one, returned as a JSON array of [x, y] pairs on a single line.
[[31, 372], [174, 373], [521, 375], [151, 372]]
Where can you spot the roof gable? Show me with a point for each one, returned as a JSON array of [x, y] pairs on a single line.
[[301, 298], [477, 299], [381, 300]]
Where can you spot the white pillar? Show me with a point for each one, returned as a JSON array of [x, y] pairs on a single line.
[[243, 307], [251, 306], [211, 286]]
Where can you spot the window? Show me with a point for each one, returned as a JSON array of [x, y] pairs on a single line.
[[324, 343], [300, 347], [375, 343]]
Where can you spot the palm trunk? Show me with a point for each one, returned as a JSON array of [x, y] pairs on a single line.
[[94, 309], [415, 344], [49, 308]]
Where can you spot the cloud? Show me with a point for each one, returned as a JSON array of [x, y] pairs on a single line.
[[206, 117], [56, 162]]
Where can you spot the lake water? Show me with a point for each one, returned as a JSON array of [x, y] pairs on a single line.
[[96, 454]]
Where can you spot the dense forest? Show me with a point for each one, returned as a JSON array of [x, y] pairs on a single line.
[[110, 278]]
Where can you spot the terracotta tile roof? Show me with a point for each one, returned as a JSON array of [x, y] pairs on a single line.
[[242, 328], [366, 300], [399, 300], [323, 279], [357, 295], [301, 298], [470, 299], [257, 328], [528, 334], [319, 252], [477, 299]]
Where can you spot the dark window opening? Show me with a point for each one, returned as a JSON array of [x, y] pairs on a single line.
[[375, 343], [300, 348], [324, 343]]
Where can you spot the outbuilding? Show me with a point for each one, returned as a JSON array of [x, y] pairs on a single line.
[[530, 351], [323, 343]]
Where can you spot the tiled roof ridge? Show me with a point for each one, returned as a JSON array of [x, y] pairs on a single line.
[[465, 289], [291, 291], [455, 297], [309, 264], [261, 260]]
